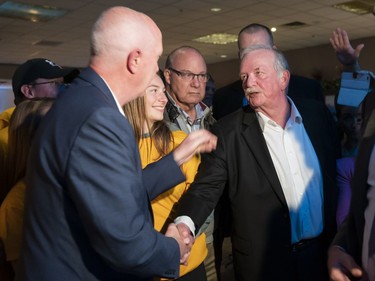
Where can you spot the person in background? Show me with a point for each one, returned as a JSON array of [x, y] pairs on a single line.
[[22, 127], [277, 158], [209, 92], [186, 76], [155, 140], [350, 120], [87, 211], [35, 78], [231, 97], [351, 255]]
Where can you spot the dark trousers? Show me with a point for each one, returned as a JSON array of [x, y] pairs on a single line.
[[310, 262]]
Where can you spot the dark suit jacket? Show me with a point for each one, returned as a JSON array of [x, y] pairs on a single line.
[[350, 234], [230, 98], [88, 214], [261, 230]]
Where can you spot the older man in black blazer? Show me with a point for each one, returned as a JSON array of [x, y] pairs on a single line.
[[88, 214], [277, 158]]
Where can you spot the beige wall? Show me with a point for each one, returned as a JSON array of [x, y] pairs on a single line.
[[310, 62]]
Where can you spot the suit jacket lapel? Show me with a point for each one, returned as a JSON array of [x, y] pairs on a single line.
[[253, 137]]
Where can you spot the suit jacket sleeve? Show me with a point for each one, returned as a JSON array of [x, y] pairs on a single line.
[[106, 185], [162, 175], [207, 187]]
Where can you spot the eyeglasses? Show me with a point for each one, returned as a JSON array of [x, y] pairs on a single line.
[[188, 76], [54, 82]]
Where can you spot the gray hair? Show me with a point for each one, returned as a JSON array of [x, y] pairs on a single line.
[[280, 64]]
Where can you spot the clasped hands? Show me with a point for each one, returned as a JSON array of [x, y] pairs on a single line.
[[184, 238]]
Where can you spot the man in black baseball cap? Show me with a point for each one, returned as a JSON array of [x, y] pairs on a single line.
[[40, 78], [36, 78]]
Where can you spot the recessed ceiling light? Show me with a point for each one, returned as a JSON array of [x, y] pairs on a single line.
[[216, 9], [273, 29], [34, 13], [217, 38], [355, 7], [223, 56]]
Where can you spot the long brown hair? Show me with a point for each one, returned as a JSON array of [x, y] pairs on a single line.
[[160, 134], [22, 126]]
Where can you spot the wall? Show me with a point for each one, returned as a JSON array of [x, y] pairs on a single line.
[[311, 62], [7, 70]]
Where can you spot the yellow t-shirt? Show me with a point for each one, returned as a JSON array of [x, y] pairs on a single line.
[[5, 117], [162, 206], [4, 123], [11, 220]]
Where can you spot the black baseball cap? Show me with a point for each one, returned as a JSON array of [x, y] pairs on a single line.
[[33, 69]]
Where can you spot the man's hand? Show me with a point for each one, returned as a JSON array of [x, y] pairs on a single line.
[[196, 142], [345, 53], [187, 237], [341, 265], [184, 243], [186, 234]]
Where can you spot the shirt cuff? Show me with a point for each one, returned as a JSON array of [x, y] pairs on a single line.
[[188, 221]]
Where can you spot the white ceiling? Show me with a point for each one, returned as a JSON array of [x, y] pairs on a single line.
[[180, 21]]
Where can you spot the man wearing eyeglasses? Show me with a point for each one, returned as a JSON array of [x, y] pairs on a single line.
[[36, 78], [186, 77]]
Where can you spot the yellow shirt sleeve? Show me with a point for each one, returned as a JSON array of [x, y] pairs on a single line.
[[11, 220]]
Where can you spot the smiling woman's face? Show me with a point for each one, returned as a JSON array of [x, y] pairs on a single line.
[[155, 100]]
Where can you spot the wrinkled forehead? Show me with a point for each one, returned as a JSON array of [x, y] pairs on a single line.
[[257, 58]]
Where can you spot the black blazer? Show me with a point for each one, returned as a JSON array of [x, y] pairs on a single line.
[[261, 235], [87, 213]]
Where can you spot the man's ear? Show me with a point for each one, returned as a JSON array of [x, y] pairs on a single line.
[[284, 80], [134, 61], [27, 92], [167, 76]]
